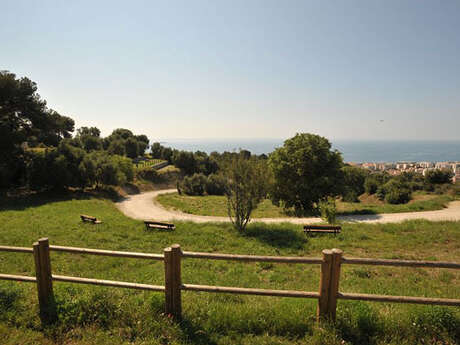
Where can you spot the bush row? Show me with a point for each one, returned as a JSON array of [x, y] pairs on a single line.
[[199, 184]]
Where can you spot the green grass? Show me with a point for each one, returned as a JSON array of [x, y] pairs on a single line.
[[99, 315], [371, 205], [213, 205]]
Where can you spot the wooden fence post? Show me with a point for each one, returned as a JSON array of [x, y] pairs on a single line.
[[44, 281], [324, 285], [335, 278], [173, 283]]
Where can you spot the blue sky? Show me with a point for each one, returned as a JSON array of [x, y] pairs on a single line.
[[243, 69]]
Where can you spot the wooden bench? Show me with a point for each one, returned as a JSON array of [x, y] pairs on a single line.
[[89, 219], [322, 229], [158, 225]]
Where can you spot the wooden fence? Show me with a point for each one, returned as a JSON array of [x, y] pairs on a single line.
[[331, 262]]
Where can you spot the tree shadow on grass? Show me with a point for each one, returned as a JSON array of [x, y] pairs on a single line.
[[276, 236], [363, 211], [21, 201]]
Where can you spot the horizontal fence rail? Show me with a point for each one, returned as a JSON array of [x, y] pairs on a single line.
[[248, 291], [107, 253], [399, 299], [400, 263], [330, 264], [112, 283], [252, 258], [16, 249], [18, 278]]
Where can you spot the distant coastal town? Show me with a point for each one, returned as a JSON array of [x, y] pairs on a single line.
[[396, 168]]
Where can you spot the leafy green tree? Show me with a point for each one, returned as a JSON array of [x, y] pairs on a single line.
[[25, 116], [185, 161], [89, 138], [131, 147], [353, 183], [439, 176], [91, 143], [100, 168], [117, 147], [142, 143], [397, 192], [194, 185], [167, 154], [216, 185], [122, 133], [88, 131], [305, 171], [374, 181], [156, 150], [246, 188]]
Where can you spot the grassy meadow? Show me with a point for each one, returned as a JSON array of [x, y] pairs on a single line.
[[214, 205], [100, 315]]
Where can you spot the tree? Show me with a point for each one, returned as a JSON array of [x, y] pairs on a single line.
[[91, 143], [122, 133], [397, 192], [305, 171], [90, 131], [156, 150], [185, 161], [131, 147], [100, 168], [117, 147], [374, 181], [353, 183], [439, 176], [25, 116], [216, 185], [246, 188], [194, 185], [142, 143]]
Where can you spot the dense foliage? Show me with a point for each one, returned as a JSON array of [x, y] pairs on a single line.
[[199, 184], [353, 183], [25, 117], [305, 171], [37, 149], [438, 176]]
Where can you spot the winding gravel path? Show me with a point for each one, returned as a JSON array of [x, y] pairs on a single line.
[[145, 207]]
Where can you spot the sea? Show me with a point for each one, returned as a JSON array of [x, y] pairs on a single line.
[[352, 150]]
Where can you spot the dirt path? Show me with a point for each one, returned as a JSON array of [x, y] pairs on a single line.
[[144, 206]]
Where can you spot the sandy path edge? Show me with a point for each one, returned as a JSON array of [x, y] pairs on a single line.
[[144, 207]]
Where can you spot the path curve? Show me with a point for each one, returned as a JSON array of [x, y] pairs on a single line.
[[145, 207]]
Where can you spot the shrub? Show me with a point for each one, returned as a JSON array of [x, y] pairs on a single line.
[[353, 183], [397, 192], [216, 185], [396, 196], [439, 176], [147, 173], [374, 181], [350, 196], [328, 210], [194, 185], [100, 168]]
